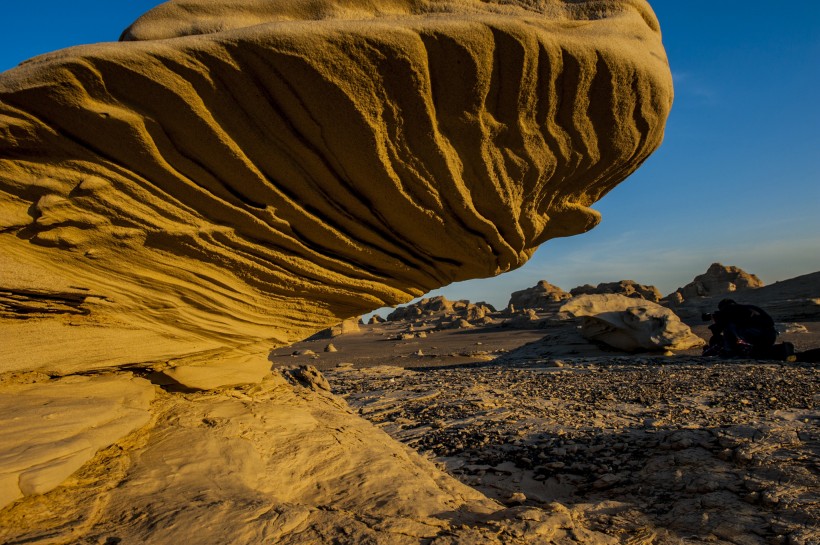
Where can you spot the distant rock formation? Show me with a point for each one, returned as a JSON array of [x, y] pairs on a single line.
[[440, 306], [524, 319], [628, 288], [351, 325], [375, 319], [245, 173], [717, 280], [539, 296], [630, 324], [50, 430]]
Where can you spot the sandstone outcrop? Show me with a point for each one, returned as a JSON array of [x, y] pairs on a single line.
[[717, 280], [240, 174], [441, 307], [630, 324], [539, 296], [245, 173], [351, 325], [280, 462], [629, 288]]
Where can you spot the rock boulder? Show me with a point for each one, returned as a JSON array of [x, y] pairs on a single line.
[[630, 324]]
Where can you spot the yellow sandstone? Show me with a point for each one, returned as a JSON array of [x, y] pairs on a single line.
[[240, 174]]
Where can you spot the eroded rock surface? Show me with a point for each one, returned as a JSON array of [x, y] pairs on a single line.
[[238, 175], [717, 280], [52, 427], [630, 324], [281, 461], [539, 296], [629, 288], [246, 173]]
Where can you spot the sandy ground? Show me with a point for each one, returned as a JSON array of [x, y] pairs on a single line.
[[381, 344], [503, 435], [399, 343], [645, 449]]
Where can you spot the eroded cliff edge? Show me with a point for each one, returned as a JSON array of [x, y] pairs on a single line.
[[249, 186]]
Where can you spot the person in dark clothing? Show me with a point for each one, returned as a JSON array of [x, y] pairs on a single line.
[[740, 331]]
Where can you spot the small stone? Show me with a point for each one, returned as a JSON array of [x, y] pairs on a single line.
[[331, 348], [517, 497]]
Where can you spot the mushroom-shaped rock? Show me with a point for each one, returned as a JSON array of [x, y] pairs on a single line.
[[243, 173], [630, 324]]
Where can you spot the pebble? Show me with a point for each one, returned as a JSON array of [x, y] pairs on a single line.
[[620, 434]]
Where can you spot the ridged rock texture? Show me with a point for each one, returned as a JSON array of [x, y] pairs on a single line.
[[239, 174]]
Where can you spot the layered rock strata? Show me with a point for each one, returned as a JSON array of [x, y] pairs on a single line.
[[240, 174]]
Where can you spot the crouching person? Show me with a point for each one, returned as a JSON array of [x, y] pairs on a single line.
[[741, 331]]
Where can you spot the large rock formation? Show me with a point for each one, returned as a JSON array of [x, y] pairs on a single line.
[[630, 324], [717, 280], [629, 288], [539, 296], [240, 174], [244, 173]]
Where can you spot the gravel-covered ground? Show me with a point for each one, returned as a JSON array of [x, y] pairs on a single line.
[[645, 449]]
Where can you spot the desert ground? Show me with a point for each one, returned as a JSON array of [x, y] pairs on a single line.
[[513, 427], [643, 448], [193, 218]]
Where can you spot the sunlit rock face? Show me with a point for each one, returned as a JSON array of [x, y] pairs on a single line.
[[240, 174]]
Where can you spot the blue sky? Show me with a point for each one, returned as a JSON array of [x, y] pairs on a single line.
[[737, 179]]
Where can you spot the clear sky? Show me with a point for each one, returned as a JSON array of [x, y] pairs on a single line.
[[737, 179]]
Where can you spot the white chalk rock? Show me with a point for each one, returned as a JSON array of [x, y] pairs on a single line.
[[631, 324]]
